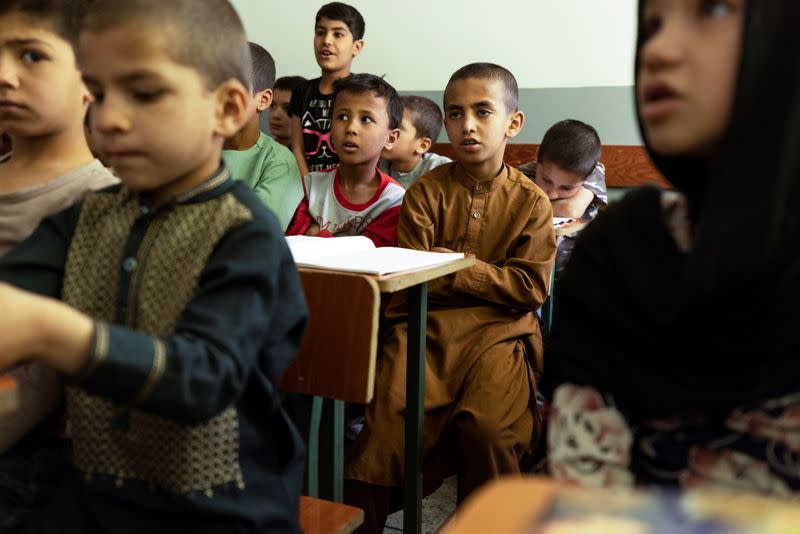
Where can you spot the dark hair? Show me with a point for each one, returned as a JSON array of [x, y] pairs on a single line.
[[571, 145], [288, 83], [364, 83], [490, 71], [207, 36], [62, 17], [345, 13], [425, 116], [741, 270], [263, 68]]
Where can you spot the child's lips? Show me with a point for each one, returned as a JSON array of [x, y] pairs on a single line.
[[118, 157], [10, 107], [658, 101], [349, 147], [470, 145]]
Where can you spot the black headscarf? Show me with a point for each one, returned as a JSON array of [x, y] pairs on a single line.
[[667, 332]]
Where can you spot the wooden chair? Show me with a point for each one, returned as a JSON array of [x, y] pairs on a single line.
[[335, 364]]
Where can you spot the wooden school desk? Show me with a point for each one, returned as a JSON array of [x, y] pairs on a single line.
[[320, 334], [535, 504]]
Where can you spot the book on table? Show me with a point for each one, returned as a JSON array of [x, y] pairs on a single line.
[[359, 254]]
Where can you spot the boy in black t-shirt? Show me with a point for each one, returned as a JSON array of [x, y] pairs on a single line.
[[338, 38]]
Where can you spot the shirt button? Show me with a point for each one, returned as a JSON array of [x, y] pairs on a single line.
[[129, 265], [478, 187], [476, 214], [144, 210]]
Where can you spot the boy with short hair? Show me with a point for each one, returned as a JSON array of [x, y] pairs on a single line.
[[568, 170], [356, 198], [483, 335], [168, 326], [410, 157], [338, 39], [280, 123], [258, 160], [51, 168]]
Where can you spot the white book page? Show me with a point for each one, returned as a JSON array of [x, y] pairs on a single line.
[[307, 249], [385, 260]]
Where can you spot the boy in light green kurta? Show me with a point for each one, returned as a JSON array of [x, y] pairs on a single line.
[[252, 157]]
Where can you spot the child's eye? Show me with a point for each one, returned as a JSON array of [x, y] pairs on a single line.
[[367, 120], [484, 112], [147, 96], [343, 117], [649, 25], [716, 8], [454, 115], [31, 56], [319, 33], [338, 35]]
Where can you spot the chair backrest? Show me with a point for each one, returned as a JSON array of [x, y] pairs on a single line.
[[336, 362], [337, 357]]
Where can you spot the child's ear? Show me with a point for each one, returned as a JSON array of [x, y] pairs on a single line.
[[515, 123], [234, 107], [391, 138], [263, 100], [357, 46], [423, 145]]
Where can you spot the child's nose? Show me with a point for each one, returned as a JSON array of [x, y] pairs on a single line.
[[664, 47], [469, 123], [9, 76], [108, 117]]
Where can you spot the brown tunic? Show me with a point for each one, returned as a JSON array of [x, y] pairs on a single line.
[[482, 329]]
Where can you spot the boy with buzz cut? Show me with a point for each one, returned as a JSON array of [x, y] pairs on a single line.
[[170, 302], [356, 198], [410, 158], [338, 38], [254, 158], [50, 168], [483, 336], [568, 170]]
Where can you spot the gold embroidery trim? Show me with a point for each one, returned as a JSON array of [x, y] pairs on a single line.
[[207, 186], [156, 372], [99, 351]]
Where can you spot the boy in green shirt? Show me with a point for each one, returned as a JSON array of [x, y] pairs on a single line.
[[256, 159]]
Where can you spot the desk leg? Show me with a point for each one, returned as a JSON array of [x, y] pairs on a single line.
[[415, 407]]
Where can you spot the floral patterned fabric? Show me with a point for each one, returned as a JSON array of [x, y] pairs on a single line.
[[754, 448]]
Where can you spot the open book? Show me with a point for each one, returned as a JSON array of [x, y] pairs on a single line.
[[358, 254]]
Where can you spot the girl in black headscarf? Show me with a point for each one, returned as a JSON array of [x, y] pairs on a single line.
[[675, 354]]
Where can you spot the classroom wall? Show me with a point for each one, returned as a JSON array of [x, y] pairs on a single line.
[[572, 58]]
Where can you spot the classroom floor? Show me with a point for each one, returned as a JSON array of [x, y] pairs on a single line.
[[435, 509]]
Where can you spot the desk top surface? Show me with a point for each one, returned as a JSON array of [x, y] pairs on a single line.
[[389, 283], [533, 504]]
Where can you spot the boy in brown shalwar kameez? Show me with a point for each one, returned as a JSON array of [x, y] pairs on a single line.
[[483, 335]]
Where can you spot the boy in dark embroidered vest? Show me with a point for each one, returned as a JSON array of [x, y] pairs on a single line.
[[356, 198], [169, 326]]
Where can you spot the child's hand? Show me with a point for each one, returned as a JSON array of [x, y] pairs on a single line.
[[574, 206], [16, 325], [313, 229], [33, 327]]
